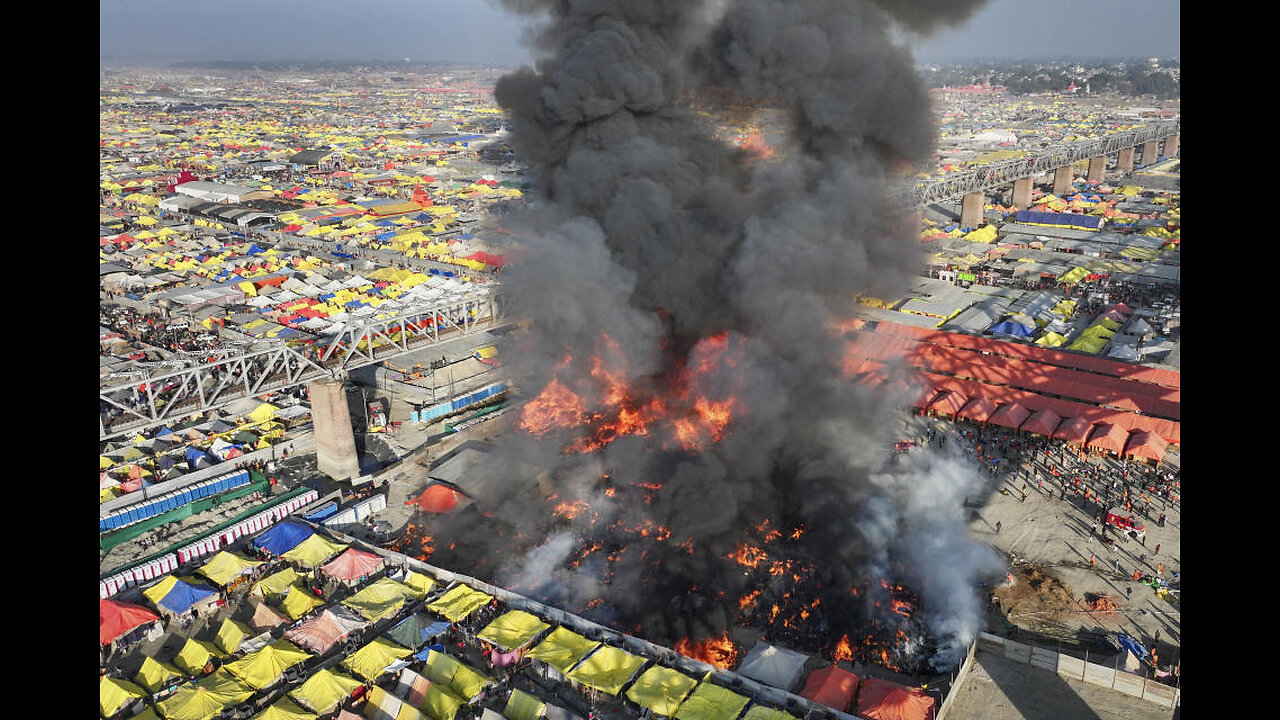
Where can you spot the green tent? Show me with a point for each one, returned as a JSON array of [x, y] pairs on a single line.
[[513, 630], [607, 669], [562, 649], [661, 690]]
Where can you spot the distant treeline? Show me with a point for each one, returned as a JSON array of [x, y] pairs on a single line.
[[1121, 77]]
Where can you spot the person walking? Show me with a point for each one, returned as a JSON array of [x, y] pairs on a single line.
[[1128, 593], [1157, 552], [1092, 560], [998, 525]]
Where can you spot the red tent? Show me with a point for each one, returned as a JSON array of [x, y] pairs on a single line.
[[1010, 415], [351, 564], [1042, 422], [1108, 437], [883, 700], [115, 618], [1146, 444], [832, 686], [436, 498]]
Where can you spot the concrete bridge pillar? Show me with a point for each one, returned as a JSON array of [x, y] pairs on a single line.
[[1062, 178], [971, 209], [1171, 146], [1097, 169], [1149, 152], [1124, 161], [1022, 193], [331, 423]]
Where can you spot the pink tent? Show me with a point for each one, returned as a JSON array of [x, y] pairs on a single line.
[[320, 633], [883, 700], [351, 564]]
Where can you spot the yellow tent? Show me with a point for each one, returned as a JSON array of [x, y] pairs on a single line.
[[440, 704], [459, 602], [325, 689], [607, 669], [1073, 276], [661, 690], [299, 601], [370, 661], [1051, 339], [523, 706], [155, 675], [195, 655], [264, 667], [984, 234], [513, 630], [380, 599], [114, 694], [285, 709], [761, 712], [314, 551], [419, 582], [226, 566], [276, 584], [229, 636], [459, 678], [204, 699], [563, 648], [711, 702]]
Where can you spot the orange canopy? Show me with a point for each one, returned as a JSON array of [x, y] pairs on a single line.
[[883, 700], [437, 498]]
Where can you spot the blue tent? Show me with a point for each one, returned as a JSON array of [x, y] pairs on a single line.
[[183, 595], [283, 537], [1009, 327], [194, 455]]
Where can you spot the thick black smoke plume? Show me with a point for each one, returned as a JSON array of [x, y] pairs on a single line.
[[658, 246]]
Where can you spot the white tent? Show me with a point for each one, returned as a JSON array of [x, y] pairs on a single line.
[[773, 665]]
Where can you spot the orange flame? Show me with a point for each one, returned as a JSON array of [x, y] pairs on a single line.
[[843, 650], [720, 652], [555, 407], [747, 555]]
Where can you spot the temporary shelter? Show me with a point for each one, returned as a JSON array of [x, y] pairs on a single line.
[[884, 700], [832, 686], [436, 498], [204, 699], [459, 602], [1108, 436], [174, 596], [1146, 444], [563, 648], [155, 675], [773, 665], [523, 706], [285, 709], [324, 689], [416, 630], [513, 630], [299, 601], [313, 551], [1041, 422], [194, 656], [117, 618], [264, 668], [660, 689], [351, 565], [762, 712], [224, 567], [711, 702], [1010, 415], [115, 694], [330, 626], [381, 599], [371, 660], [411, 687], [283, 537], [276, 584], [448, 673], [607, 669], [230, 636]]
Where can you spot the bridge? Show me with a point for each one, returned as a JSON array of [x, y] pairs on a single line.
[[136, 400], [971, 185]]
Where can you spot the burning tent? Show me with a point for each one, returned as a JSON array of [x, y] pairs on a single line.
[[883, 700], [437, 498]]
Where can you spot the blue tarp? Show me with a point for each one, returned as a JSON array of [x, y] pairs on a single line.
[[254, 250], [1088, 222], [1009, 327], [1132, 646], [183, 596], [283, 537]]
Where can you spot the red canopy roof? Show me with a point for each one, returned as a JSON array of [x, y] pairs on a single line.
[[1011, 415], [115, 618], [351, 564], [1108, 437], [1042, 422], [883, 700], [436, 498], [832, 686], [1145, 444]]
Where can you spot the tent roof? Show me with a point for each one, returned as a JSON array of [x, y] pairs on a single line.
[[321, 632], [414, 631], [661, 690], [352, 564], [313, 551], [607, 669], [436, 498], [513, 630], [1108, 436], [773, 665], [115, 618], [283, 537], [370, 660], [1010, 415], [381, 599], [459, 602], [262, 668], [226, 566], [1146, 444], [175, 595], [324, 689], [1042, 422], [711, 702], [832, 686], [884, 700], [563, 648]]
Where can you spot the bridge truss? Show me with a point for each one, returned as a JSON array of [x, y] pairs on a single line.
[[139, 399]]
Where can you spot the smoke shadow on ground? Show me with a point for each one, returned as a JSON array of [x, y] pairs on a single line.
[[1035, 694]]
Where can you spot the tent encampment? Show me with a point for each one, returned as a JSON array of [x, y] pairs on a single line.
[[884, 700], [773, 665]]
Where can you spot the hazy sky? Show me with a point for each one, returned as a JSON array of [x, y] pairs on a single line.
[[478, 31]]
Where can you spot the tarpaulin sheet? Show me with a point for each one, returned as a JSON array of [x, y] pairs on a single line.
[[513, 630], [263, 668], [155, 675], [226, 566], [773, 665], [380, 599], [1108, 437], [523, 706], [711, 702], [230, 635], [440, 704], [459, 602], [116, 618], [832, 686], [352, 564], [205, 698], [328, 627], [324, 689], [177, 596], [411, 687], [563, 648], [276, 584], [194, 655], [285, 709], [760, 712], [448, 672], [299, 601], [114, 694], [661, 690], [313, 551], [370, 661], [884, 700], [414, 631], [283, 537], [607, 669]]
